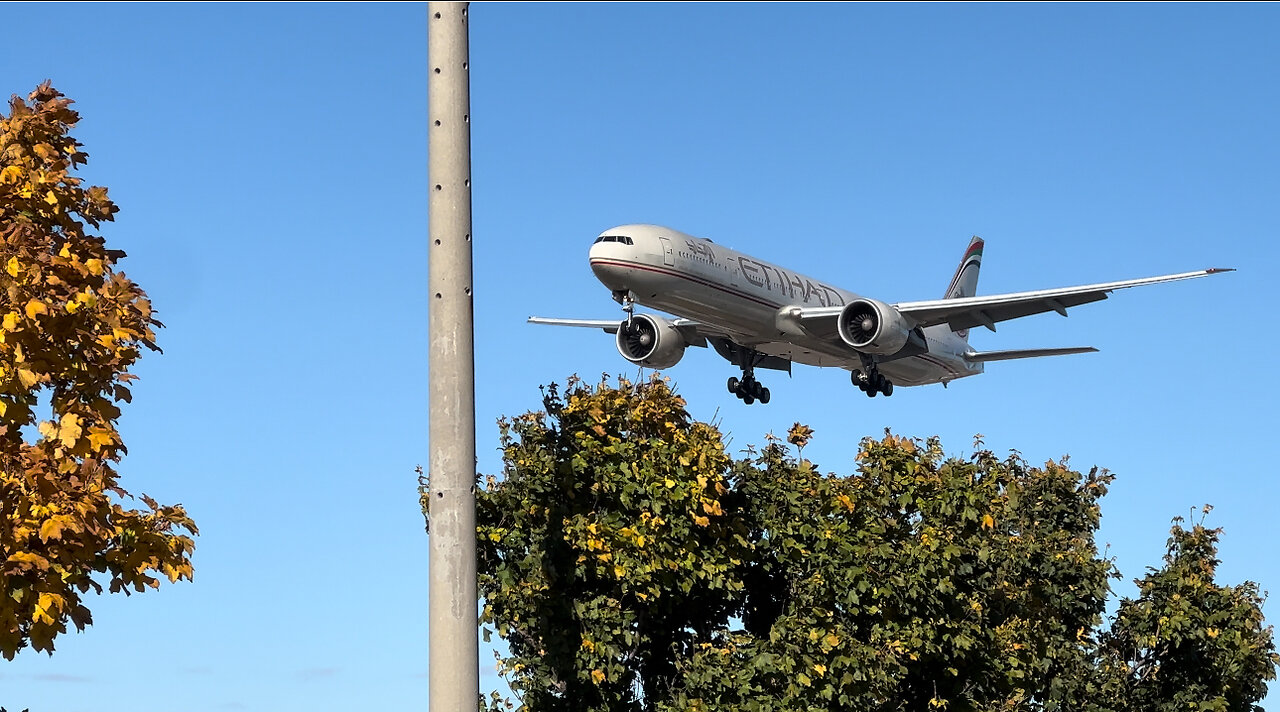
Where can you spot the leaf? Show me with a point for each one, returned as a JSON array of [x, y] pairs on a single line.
[[29, 560], [10, 322], [13, 267], [69, 430], [52, 528], [35, 307], [27, 377]]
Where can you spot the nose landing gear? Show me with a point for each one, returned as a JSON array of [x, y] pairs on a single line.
[[748, 388], [628, 302]]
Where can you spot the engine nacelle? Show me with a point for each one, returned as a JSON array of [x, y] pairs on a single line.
[[873, 327], [651, 342]]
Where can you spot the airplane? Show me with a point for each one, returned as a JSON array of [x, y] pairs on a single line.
[[759, 315]]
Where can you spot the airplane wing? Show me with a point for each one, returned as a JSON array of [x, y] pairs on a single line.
[[985, 311], [979, 356], [694, 332], [968, 312], [609, 325]]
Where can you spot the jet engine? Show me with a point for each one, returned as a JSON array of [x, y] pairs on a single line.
[[650, 341], [873, 327]]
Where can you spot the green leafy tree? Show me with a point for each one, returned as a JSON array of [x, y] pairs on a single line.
[[1187, 642], [630, 563], [619, 552], [71, 326]]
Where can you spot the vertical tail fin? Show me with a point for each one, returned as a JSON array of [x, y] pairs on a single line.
[[965, 281]]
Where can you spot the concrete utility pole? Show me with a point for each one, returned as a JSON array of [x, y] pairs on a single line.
[[454, 650]]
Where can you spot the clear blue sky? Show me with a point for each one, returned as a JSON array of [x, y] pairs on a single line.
[[270, 165]]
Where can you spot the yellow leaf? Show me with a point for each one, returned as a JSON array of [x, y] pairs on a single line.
[[988, 521], [51, 198], [833, 640], [94, 265], [47, 429], [820, 669], [32, 560], [36, 307], [69, 430], [28, 378], [701, 521], [51, 529], [10, 174], [597, 676], [13, 267], [11, 321]]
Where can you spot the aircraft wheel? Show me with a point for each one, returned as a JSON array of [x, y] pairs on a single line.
[[856, 377], [733, 384], [764, 396], [748, 399], [888, 388], [871, 392]]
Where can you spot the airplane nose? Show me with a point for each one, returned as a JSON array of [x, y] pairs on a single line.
[[607, 263]]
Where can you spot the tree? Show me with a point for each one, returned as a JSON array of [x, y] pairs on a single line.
[[71, 326], [631, 564], [1187, 642]]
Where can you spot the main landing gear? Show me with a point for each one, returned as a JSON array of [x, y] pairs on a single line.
[[748, 388], [870, 380]]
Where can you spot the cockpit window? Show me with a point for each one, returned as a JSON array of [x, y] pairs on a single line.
[[615, 238]]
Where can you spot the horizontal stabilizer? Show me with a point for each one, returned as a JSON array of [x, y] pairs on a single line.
[[977, 356]]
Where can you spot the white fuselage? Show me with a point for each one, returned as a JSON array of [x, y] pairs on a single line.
[[748, 298]]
